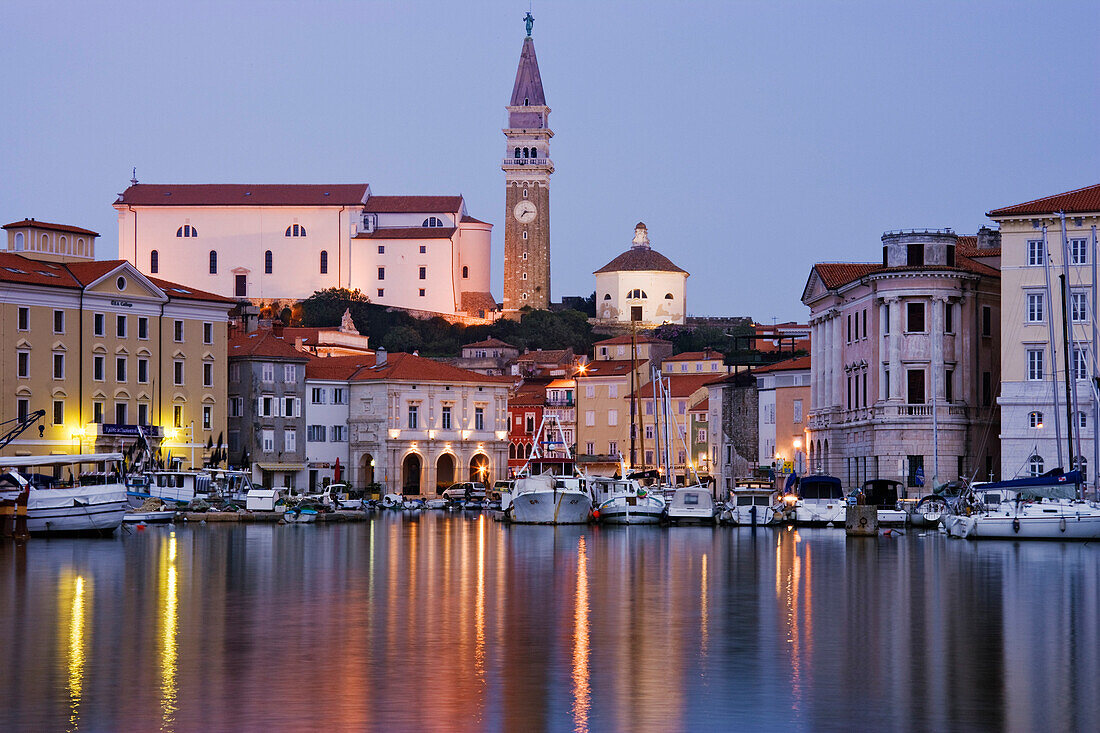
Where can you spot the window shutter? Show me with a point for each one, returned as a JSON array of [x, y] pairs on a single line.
[[297, 407]]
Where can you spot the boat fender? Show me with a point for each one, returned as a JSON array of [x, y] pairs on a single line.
[[1016, 525], [595, 513], [1062, 524]]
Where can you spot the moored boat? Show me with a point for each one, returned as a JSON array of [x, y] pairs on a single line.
[[548, 499], [88, 503], [1037, 508], [625, 501], [691, 505], [752, 502], [819, 500]]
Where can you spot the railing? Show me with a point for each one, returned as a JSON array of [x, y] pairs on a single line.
[[559, 403], [526, 161]]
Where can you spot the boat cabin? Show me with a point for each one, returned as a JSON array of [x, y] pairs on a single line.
[[882, 492], [820, 488]]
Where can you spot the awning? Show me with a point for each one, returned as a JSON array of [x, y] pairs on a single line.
[[284, 467]]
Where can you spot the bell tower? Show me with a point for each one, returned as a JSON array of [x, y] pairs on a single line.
[[527, 168]]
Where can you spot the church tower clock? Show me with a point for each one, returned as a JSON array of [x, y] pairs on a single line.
[[527, 168]]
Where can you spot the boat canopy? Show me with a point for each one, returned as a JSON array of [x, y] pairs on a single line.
[[820, 487], [59, 460], [1051, 485]]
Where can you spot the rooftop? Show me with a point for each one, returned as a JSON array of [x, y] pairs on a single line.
[[787, 365], [262, 344], [1079, 201], [50, 226], [243, 194], [490, 343], [413, 204]]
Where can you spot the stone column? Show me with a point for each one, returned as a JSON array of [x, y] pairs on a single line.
[[936, 370], [897, 379], [883, 349], [815, 364], [837, 358]]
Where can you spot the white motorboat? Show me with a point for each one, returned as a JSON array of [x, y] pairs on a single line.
[[1039, 508], [819, 501], [178, 486], [393, 501], [92, 503], [230, 484], [692, 505], [163, 516], [751, 503], [625, 501], [300, 516], [548, 499]]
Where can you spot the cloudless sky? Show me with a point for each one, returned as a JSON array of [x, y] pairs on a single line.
[[753, 138]]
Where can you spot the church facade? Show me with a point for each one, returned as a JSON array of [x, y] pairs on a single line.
[[267, 243], [527, 168], [642, 286]]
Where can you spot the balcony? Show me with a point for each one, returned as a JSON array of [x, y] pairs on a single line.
[[921, 413], [527, 161], [560, 402]]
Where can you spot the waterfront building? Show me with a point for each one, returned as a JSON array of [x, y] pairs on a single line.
[[699, 417], [561, 407], [327, 411], [267, 427], [784, 401], [733, 436], [418, 425], [642, 286], [602, 404], [525, 409], [281, 243], [527, 168], [902, 345], [318, 341], [106, 351], [684, 391], [1032, 367]]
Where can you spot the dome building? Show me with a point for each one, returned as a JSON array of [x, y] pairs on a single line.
[[641, 285]]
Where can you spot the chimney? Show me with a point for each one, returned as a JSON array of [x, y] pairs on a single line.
[[989, 238], [380, 356]]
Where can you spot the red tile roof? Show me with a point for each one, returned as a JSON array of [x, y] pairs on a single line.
[[795, 363], [491, 343], [967, 246], [640, 338], [529, 393], [704, 355], [47, 225], [241, 194], [408, 233], [640, 259], [413, 204], [608, 368], [547, 356], [680, 385], [702, 406], [836, 274], [467, 219], [336, 367], [410, 368], [1079, 201], [186, 292], [262, 344], [474, 301]]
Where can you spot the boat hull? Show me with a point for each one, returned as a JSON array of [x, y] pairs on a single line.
[[812, 513], [82, 510], [1058, 525], [551, 507], [742, 516], [645, 510], [149, 517]]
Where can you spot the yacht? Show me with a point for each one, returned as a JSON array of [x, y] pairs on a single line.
[[548, 489], [751, 502], [178, 486], [85, 503], [1039, 508], [818, 500], [625, 501], [692, 505]]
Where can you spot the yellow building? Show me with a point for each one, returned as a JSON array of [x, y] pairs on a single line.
[[103, 350], [667, 431]]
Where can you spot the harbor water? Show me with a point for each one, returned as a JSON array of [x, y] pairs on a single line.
[[451, 621]]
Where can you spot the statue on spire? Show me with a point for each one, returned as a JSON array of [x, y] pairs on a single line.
[[530, 21]]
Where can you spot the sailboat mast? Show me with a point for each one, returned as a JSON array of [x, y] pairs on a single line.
[[1095, 376], [1071, 380], [654, 376], [1069, 377], [633, 398], [1053, 357]]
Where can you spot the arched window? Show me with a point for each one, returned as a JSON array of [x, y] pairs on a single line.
[[668, 296], [62, 244], [295, 230], [154, 262], [512, 451], [44, 243], [1080, 463], [187, 231], [607, 296], [517, 153], [637, 293], [80, 247], [1035, 465], [268, 262], [526, 101], [1035, 419], [432, 221], [19, 242], [524, 190], [465, 271], [213, 262], [324, 262]]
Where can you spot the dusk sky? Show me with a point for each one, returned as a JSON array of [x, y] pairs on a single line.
[[753, 138]]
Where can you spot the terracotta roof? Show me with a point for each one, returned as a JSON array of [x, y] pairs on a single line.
[[609, 368], [1079, 201], [967, 246], [491, 343], [467, 219], [559, 383], [547, 356], [680, 386], [408, 233], [243, 194], [787, 365], [640, 259], [705, 354], [407, 367], [529, 393], [413, 204], [702, 406], [47, 225], [308, 334], [262, 344], [836, 274], [19, 269], [474, 301], [640, 338], [336, 367]]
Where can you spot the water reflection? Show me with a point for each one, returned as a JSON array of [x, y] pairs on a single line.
[[444, 622], [76, 651]]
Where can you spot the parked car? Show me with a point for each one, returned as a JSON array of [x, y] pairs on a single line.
[[465, 491]]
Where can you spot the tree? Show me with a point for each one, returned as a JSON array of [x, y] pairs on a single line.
[[402, 338]]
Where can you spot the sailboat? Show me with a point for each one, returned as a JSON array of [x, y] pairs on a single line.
[[549, 490], [1038, 507]]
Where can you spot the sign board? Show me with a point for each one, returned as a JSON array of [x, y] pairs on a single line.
[[788, 466], [127, 431]]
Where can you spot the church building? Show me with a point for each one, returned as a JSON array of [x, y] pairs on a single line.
[[640, 285]]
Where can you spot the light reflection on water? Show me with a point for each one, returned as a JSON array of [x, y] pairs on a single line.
[[445, 622]]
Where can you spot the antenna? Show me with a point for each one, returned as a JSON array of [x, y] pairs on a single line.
[[133, 177]]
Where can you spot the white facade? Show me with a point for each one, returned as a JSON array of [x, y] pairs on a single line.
[[268, 243], [641, 285], [765, 386], [327, 439]]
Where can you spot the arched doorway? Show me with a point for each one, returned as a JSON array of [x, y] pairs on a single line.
[[366, 470], [410, 474], [444, 472], [479, 468]]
